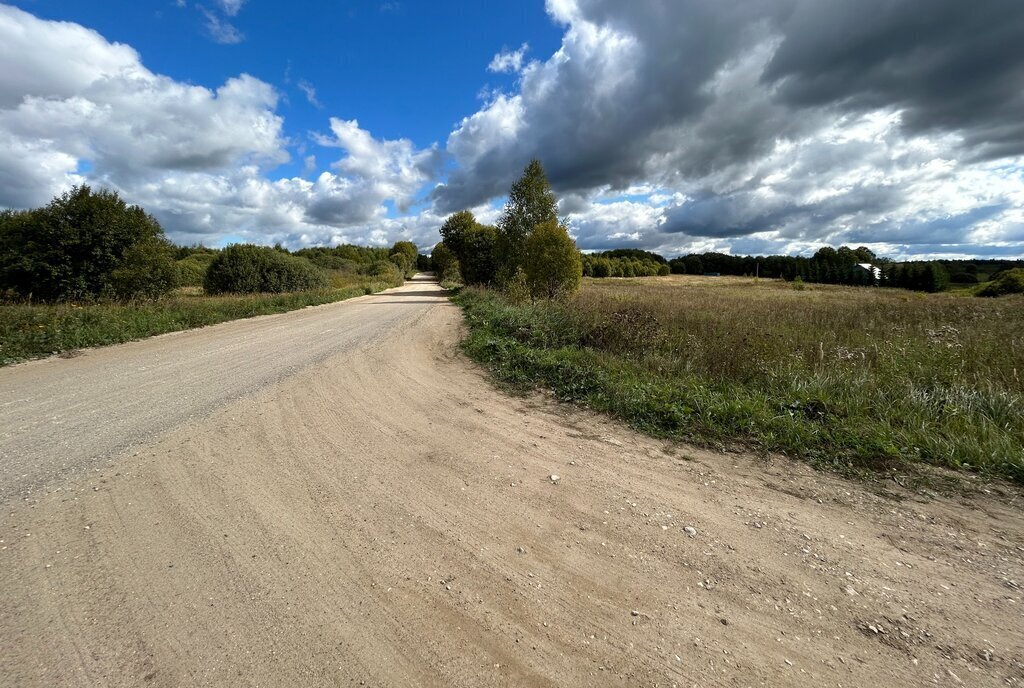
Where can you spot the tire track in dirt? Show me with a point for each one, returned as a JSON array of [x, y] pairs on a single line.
[[383, 515]]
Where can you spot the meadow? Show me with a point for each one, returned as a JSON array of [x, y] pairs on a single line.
[[30, 330], [851, 377]]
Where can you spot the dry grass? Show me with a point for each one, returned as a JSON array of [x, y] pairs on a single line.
[[842, 375]]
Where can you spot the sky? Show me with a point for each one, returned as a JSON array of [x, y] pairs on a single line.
[[741, 126]]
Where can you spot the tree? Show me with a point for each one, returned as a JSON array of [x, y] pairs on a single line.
[[454, 229], [694, 265], [70, 249], [865, 255], [530, 203], [404, 254], [477, 262], [935, 278], [553, 264], [441, 258]]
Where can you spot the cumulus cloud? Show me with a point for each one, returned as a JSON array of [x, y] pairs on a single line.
[[75, 108], [509, 61], [78, 98], [683, 125], [785, 122]]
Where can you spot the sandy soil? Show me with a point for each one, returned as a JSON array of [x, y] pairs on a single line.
[[382, 516]]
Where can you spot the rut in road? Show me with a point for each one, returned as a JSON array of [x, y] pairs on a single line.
[[379, 513]]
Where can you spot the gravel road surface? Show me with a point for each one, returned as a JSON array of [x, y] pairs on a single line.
[[336, 497]]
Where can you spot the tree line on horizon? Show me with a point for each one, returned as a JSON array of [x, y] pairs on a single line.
[[503, 256], [90, 245], [841, 266], [87, 245]]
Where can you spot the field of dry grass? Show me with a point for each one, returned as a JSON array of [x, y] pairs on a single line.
[[851, 376]]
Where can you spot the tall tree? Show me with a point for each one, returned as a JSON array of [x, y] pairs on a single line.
[[530, 203], [454, 230]]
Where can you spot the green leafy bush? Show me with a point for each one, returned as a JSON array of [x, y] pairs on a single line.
[[405, 255], [82, 246], [1009, 282], [192, 269], [249, 269], [147, 270], [553, 266]]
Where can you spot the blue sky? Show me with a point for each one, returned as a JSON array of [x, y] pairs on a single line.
[[403, 69], [668, 125]]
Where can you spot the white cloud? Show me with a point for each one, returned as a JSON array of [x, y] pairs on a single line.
[[75, 108], [230, 7], [220, 29], [509, 61], [310, 92], [707, 103], [667, 126]]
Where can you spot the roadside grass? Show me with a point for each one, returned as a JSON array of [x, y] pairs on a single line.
[[852, 377], [35, 330]]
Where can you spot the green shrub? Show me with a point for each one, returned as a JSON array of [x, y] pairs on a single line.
[[192, 269], [472, 244], [383, 268], [451, 276], [71, 249], [147, 270], [553, 266], [249, 269], [1008, 282]]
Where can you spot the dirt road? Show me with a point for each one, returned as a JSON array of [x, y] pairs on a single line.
[[336, 497]]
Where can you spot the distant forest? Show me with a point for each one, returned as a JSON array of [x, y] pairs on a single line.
[[827, 266]]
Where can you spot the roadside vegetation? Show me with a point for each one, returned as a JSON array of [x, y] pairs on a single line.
[[852, 377], [88, 270], [849, 377]]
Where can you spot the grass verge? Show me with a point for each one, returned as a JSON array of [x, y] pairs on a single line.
[[849, 377], [35, 330]]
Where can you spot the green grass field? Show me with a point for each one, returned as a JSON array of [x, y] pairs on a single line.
[[849, 377], [35, 330]]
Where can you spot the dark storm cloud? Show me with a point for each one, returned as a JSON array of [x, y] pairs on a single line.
[[630, 74], [698, 96], [741, 214], [947, 229], [951, 65]]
